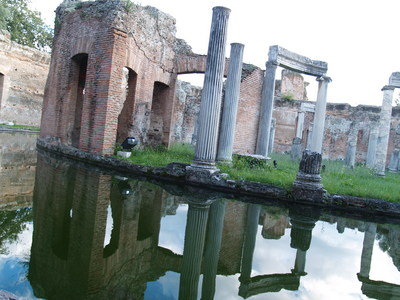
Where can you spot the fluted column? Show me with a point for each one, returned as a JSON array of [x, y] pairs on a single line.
[[210, 107], [271, 136], [368, 246], [394, 161], [193, 250], [300, 124], [384, 130], [267, 105], [319, 116], [229, 111], [351, 150], [213, 247]]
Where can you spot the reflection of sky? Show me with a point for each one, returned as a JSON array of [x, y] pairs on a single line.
[[172, 232], [14, 266], [332, 264]]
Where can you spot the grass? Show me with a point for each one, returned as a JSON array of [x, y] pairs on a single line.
[[336, 178], [26, 127]]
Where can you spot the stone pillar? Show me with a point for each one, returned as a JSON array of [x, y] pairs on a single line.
[[307, 186], [368, 246], [229, 111], [394, 161], [210, 107], [351, 151], [296, 148], [319, 116], [213, 247], [300, 263], [300, 124], [267, 105], [195, 234], [272, 136], [309, 135], [372, 143], [384, 130]]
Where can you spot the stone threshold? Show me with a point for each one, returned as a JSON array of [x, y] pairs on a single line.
[[181, 173]]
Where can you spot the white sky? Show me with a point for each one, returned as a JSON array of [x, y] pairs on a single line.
[[357, 38]]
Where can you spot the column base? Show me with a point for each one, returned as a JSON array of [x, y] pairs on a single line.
[[308, 188]]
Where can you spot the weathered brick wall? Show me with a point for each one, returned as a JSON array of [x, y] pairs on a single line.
[[83, 101], [23, 74]]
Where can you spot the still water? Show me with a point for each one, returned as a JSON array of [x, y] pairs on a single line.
[[70, 231]]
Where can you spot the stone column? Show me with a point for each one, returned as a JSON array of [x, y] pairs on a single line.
[[296, 148], [300, 124], [271, 136], [319, 116], [212, 248], [229, 111], [308, 187], [195, 234], [309, 135], [210, 107], [368, 246], [384, 130], [372, 143], [351, 151], [394, 161], [267, 105]]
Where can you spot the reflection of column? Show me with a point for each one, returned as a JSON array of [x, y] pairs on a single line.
[[372, 143], [319, 116], [213, 246], [300, 263], [209, 116], [193, 250], [384, 130], [253, 214], [267, 105], [228, 122], [368, 246]]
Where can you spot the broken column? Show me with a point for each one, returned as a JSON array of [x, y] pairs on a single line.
[[296, 148], [372, 143], [351, 149], [209, 116], [394, 161], [384, 130], [308, 186], [267, 105], [232, 90], [319, 116]]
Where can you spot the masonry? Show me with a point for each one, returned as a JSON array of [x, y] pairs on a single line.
[[23, 73]]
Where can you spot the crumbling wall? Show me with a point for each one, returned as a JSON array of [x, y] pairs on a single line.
[[23, 74]]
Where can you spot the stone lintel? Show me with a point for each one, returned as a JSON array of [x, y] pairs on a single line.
[[395, 79], [296, 62], [307, 107], [388, 87], [324, 78]]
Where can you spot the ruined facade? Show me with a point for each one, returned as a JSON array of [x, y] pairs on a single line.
[[23, 73]]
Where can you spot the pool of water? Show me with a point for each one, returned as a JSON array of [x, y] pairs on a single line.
[[71, 231]]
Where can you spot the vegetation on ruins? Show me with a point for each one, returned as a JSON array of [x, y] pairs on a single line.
[[25, 26], [336, 177]]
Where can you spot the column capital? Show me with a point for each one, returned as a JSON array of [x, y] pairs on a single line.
[[388, 87], [271, 64], [324, 78]]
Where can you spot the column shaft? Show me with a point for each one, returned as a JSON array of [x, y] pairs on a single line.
[[300, 124], [319, 116], [229, 111], [372, 143], [368, 246], [210, 107], [267, 105], [384, 130]]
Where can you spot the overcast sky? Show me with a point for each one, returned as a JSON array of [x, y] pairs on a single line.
[[357, 38]]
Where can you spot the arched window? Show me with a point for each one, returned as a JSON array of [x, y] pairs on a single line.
[[158, 114]]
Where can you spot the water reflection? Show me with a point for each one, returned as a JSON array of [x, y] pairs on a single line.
[[72, 256], [99, 236]]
